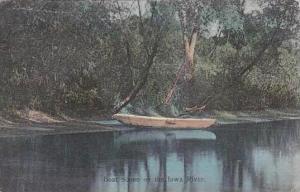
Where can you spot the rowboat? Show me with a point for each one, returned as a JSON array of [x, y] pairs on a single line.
[[164, 122]]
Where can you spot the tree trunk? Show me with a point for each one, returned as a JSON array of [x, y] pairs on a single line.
[[187, 69], [190, 45]]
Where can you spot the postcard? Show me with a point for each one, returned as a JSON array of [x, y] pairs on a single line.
[[149, 96]]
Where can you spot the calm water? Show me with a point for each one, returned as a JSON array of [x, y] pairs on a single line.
[[248, 158]]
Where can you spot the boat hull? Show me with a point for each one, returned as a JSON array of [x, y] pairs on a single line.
[[163, 122]]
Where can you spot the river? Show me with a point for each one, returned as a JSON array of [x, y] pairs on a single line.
[[241, 158]]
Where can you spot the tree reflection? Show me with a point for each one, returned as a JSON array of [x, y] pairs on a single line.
[[237, 148]]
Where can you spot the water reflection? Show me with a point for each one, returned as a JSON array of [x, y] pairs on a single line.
[[247, 158]]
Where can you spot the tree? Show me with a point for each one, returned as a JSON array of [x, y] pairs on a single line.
[[264, 32], [152, 30], [193, 15]]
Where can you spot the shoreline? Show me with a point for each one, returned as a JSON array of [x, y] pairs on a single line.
[[41, 127], [62, 128], [269, 115]]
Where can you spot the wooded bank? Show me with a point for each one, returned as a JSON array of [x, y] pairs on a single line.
[[99, 56]]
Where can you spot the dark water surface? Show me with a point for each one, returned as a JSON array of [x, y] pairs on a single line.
[[248, 158]]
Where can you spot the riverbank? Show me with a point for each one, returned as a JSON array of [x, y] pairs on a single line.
[[38, 123], [32, 123], [237, 117]]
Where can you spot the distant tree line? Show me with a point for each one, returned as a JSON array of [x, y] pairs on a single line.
[[103, 56]]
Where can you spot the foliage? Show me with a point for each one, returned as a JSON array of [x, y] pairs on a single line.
[[84, 56]]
